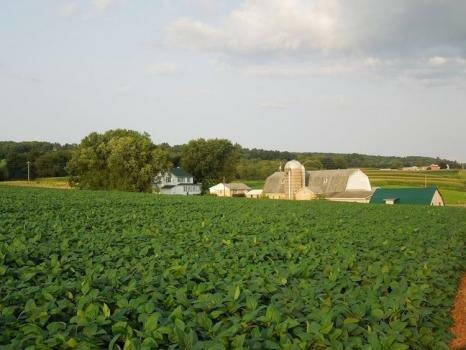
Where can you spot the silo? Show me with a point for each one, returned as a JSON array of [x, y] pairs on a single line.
[[294, 178]]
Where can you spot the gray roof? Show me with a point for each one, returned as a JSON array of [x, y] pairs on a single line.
[[322, 182], [180, 172], [350, 194], [237, 186], [328, 181], [274, 183]]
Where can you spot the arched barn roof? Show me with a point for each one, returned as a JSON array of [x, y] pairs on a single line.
[[329, 181]]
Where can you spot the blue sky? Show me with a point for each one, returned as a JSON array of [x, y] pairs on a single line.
[[385, 77]]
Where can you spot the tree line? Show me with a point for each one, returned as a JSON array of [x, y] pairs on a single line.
[[46, 159], [127, 160]]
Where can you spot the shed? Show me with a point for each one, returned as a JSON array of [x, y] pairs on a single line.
[[305, 194], [350, 196], [254, 194], [234, 189], [416, 195]]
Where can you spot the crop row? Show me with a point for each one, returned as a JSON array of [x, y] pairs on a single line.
[[113, 270]]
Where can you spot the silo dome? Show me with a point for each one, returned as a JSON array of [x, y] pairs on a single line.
[[293, 164]]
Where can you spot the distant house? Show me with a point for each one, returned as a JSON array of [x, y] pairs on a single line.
[[410, 168], [254, 194], [419, 195], [176, 181], [234, 189], [433, 167]]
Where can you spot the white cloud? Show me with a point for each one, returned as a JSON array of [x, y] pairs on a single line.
[[271, 25], [68, 9], [290, 38], [328, 25], [166, 68], [293, 71], [89, 10], [437, 61], [102, 4]]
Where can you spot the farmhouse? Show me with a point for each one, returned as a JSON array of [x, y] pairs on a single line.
[[176, 181], [422, 196], [346, 185], [234, 189]]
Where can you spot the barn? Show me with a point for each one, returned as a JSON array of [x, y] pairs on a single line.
[[417, 195], [343, 185]]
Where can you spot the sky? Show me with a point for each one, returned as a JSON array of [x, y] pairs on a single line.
[[381, 77]]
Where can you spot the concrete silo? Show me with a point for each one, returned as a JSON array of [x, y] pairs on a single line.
[[295, 176]]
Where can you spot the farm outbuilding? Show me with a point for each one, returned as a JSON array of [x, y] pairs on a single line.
[[254, 194], [274, 186], [234, 189], [433, 167], [305, 194], [348, 185], [419, 195]]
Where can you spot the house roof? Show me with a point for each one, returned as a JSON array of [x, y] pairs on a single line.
[[180, 172], [237, 186], [418, 195], [328, 181], [231, 186]]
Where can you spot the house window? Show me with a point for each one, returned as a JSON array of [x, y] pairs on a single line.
[[168, 179], [181, 179]]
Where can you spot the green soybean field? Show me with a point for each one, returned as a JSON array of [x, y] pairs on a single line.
[[110, 270]]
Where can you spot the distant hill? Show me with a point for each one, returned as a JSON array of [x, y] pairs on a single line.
[[352, 159]]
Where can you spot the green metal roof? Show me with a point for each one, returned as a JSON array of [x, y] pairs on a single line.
[[416, 195], [180, 172]]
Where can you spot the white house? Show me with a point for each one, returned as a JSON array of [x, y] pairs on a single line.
[[234, 189], [176, 181]]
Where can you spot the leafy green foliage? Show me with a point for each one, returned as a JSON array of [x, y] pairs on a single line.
[[210, 161], [117, 160], [47, 159], [93, 270], [3, 169], [52, 164]]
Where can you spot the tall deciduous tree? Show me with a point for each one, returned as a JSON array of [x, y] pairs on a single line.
[[210, 161], [52, 163], [119, 159], [3, 169]]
